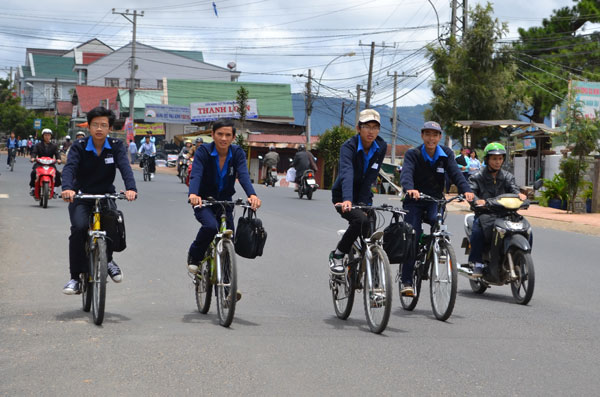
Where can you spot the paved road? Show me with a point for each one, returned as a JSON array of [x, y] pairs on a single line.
[[285, 339]]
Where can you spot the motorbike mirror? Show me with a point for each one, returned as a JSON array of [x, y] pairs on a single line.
[[260, 157], [538, 184]]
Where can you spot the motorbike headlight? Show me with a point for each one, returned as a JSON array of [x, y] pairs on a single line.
[[514, 225], [500, 231]]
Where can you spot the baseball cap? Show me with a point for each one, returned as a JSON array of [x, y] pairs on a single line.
[[369, 115], [431, 125]]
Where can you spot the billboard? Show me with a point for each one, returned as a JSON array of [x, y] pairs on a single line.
[[588, 93], [211, 111], [167, 114], [156, 128]]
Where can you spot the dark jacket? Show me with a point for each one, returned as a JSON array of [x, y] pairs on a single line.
[[303, 161], [42, 149], [89, 173], [352, 183], [485, 186], [203, 179], [419, 174]]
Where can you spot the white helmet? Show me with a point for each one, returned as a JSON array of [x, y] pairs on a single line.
[[79, 133], [46, 131], [68, 138]]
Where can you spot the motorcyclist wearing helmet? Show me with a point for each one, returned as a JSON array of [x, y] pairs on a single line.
[[79, 135], [199, 141], [490, 182], [303, 160], [424, 171], [45, 148], [67, 145], [271, 160], [184, 151]]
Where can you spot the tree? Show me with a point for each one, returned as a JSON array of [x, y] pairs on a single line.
[[13, 117], [549, 55], [242, 104], [582, 136], [329, 146], [474, 79]]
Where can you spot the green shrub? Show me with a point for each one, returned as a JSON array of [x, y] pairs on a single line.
[[556, 188]]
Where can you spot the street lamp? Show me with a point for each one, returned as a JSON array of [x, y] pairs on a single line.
[[349, 54]]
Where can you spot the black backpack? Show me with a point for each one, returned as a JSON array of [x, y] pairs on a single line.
[[250, 235], [113, 223], [398, 240]]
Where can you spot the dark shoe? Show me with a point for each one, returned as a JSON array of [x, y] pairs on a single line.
[[477, 270], [192, 265], [407, 290], [114, 272], [73, 287], [336, 263]]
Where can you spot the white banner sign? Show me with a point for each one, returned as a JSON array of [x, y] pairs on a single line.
[[211, 111]]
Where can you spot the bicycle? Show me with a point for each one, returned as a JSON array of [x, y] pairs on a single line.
[[12, 154], [218, 269], [367, 261], [436, 262], [93, 282], [146, 168]]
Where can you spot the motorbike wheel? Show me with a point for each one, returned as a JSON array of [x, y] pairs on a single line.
[[478, 287], [309, 194], [300, 194], [45, 195], [443, 282], [522, 288]]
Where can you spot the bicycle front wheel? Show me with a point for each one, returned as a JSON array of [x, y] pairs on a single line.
[[378, 291], [99, 274], [203, 287], [410, 302], [443, 280], [343, 287], [226, 288]]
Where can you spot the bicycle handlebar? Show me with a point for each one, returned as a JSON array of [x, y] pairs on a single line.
[[383, 207], [85, 196], [209, 202], [423, 196]]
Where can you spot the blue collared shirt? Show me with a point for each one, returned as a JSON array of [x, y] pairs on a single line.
[[91, 148], [438, 153], [221, 172], [374, 148], [13, 144]]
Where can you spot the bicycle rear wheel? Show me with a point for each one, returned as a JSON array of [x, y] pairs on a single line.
[[343, 288], [86, 285], [378, 291], [204, 287], [99, 274], [226, 288], [12, 163], [410, 302], [443, 281]]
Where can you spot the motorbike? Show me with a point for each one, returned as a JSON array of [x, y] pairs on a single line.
[[44, 180], [307, 184], [507, 257], [182, 165]]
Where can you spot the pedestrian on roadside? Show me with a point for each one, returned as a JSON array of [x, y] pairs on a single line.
[[462, 160], [474, 163], [132, 151]]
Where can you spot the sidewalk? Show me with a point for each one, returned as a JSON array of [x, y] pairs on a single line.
[[551, 218]]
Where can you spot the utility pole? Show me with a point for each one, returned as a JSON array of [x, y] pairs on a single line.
[[453, 21], [370, 79], [456, 20], [56, 101], [308, 108], [357, 104], [342, 115], [394, 118], [132, 64]]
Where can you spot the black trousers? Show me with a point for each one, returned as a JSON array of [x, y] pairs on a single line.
[[79, 214], [358, 222]]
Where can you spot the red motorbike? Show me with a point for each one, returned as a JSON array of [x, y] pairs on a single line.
[[44, 180]]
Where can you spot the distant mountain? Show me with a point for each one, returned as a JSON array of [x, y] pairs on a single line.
[[327, 113]]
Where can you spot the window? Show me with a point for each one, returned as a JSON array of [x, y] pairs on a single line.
[[159, 84], [136, 85], [111, 82]]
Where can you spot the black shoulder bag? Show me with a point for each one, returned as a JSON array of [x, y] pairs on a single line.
[[250, 235], [398, 240]]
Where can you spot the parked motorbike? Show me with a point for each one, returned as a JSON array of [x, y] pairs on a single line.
[[44, 180], [307, 184], [182, 165], [508, 256]]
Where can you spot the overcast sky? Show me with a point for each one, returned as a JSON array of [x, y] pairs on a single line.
[[270, 40]]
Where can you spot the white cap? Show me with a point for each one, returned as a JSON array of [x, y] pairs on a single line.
[[369, 115]]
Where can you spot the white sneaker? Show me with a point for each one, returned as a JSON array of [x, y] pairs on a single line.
[[151, 176]]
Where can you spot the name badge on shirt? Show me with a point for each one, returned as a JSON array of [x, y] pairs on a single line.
[[109, 160], [440, 170], [374, 166]]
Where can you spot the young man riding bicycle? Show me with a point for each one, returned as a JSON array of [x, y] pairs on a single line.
[[216, 167], [91, 168], [424, 170], [360, 160]]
